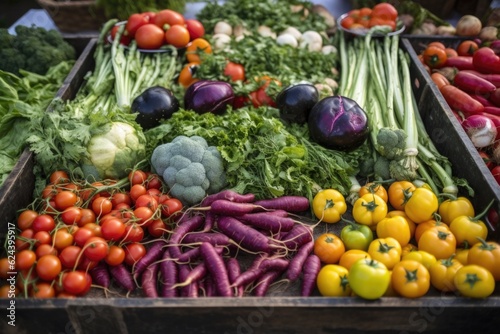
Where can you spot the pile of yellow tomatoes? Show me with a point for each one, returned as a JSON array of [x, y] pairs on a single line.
[[404, 240]]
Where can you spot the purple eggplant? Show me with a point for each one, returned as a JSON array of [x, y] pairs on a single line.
[[338, 122], [296, 101], [153, 105], [209, 96]]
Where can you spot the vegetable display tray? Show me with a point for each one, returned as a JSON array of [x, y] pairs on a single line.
[[436, 313]]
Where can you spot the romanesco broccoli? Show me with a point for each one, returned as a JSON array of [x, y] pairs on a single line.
[[190, 168]]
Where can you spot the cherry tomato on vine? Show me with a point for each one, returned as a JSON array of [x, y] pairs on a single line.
[[48, 267], [25, 259], [43, 222], [70, 255], [116, 255], [72, 215], [134, 252], [171, 206], [113, 229], [26, 218], [95, 249], [58, 176], [76, 282]]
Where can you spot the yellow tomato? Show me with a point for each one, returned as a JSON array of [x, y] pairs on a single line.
[[349, 257], [487, 255], [410, 279], [468, 229], [438, 241], [396, 227], [462, 254], [427, 259], [329, 205], [369, 210], [411, 223], [385, 250], [333, 281], [422, 205], [399, 192], [424, 226], [443, 273], [329, 248], [374, 188], [474, 281], [408, 249], [455, 207], [369, 278]]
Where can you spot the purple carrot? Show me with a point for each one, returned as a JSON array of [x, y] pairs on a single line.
[[189, 225], [209, 221], [122, 276], [312, 267], [263, 283], [287, 203], [228, 208], [149, 280], [100, 274], [216, 267], [297, 262], [168, 274], [191, 290], [233, 271], [256, 271], [268, 222], [209, 286], [298, 236], [193, 254], [215, 238], [229, 195], [153, 254], [243, 235]]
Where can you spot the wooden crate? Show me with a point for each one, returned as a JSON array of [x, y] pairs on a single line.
[[435, 313]]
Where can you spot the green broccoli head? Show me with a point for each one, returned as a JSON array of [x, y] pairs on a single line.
[[11, 61], [381, 168], [391, 142], [190, 168]]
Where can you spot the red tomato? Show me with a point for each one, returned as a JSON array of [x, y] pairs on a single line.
[[148, 201], [76, 282], [385, 11], [42, 238], [177, 36], [235, 71], [88, 216], [153, 182], [48, 267], [136, 191], [112, 229], [43, 290], [195, 28], [157, 228], [119, 198], [143, 215], [72, 215], [25, 219], [171, 206], [102, 206], [62, 239], [116, 255], [137, 177], [134, 252], [43, 223], [95, 249], [167, 17], [134, 22], [260, 96], [133, 233], [70, 255], [58, 176], [44, 250], [125, 38], [25, 259], [20, 242], [149, 36]]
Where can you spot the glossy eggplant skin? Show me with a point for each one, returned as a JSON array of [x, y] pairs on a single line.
[[338, 122], [153, 105], [209, 96], [296, 101]]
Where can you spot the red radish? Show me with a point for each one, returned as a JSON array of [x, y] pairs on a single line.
[[153, 254], [228, 208], [481, 130], [492, 110], [100, 274], [482, 99], [263, 283], [149, 280], [168, 273], [472, 83], [229, 195], [216, 267], [496, 120], [287, 203], [298, 236], [122, 276], [460, 62], [312, 267], [244, 236], [214, 238], [493, 78], [495, 97], [297, 262], [268, 222], [233, 271], [191, 290]]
